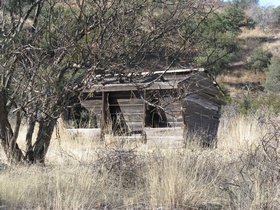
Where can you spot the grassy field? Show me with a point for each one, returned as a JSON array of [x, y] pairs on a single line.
[[243, 172]]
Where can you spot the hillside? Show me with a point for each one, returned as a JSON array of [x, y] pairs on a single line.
[[239, 79]]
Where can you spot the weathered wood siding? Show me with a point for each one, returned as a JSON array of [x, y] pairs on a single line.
[[94, 105], [201, 104], [176, 99], [173, 111], [127, 112]]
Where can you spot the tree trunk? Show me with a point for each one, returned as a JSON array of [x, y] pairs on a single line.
[[29, 156], [7, 136], [29, 134], [46, 127]]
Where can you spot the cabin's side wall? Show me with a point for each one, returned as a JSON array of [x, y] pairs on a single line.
[[199, 119], [201, 106]]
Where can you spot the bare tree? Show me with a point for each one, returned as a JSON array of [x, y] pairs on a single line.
[[263, 16], [14, 17], [50, 47]]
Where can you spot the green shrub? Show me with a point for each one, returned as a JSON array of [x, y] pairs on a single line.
[[272, 82], [268, 102], [248, 105], [217, 37], [260, 59]]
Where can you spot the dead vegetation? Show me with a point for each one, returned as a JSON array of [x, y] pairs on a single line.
[[84, 173]]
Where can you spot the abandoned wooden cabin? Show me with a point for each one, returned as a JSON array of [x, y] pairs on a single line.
[[188, 99]]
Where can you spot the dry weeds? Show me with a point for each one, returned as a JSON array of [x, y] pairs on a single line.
[[243, 172]]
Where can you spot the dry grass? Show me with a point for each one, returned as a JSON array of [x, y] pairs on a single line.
[[241, 76], [82, 173], [258, 32], [239, 133]]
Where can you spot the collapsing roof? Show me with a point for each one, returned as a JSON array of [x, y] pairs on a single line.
[[185, 98]]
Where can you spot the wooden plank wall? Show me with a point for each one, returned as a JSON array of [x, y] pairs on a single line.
[[95, 106], [201, 105], [173, 111], [131, 110], [198, 108]]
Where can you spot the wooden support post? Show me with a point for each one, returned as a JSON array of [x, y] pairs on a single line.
[[104, 114], [144, 110], [144, 135]]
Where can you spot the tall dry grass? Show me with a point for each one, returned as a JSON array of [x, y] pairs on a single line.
[[243, 172]]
